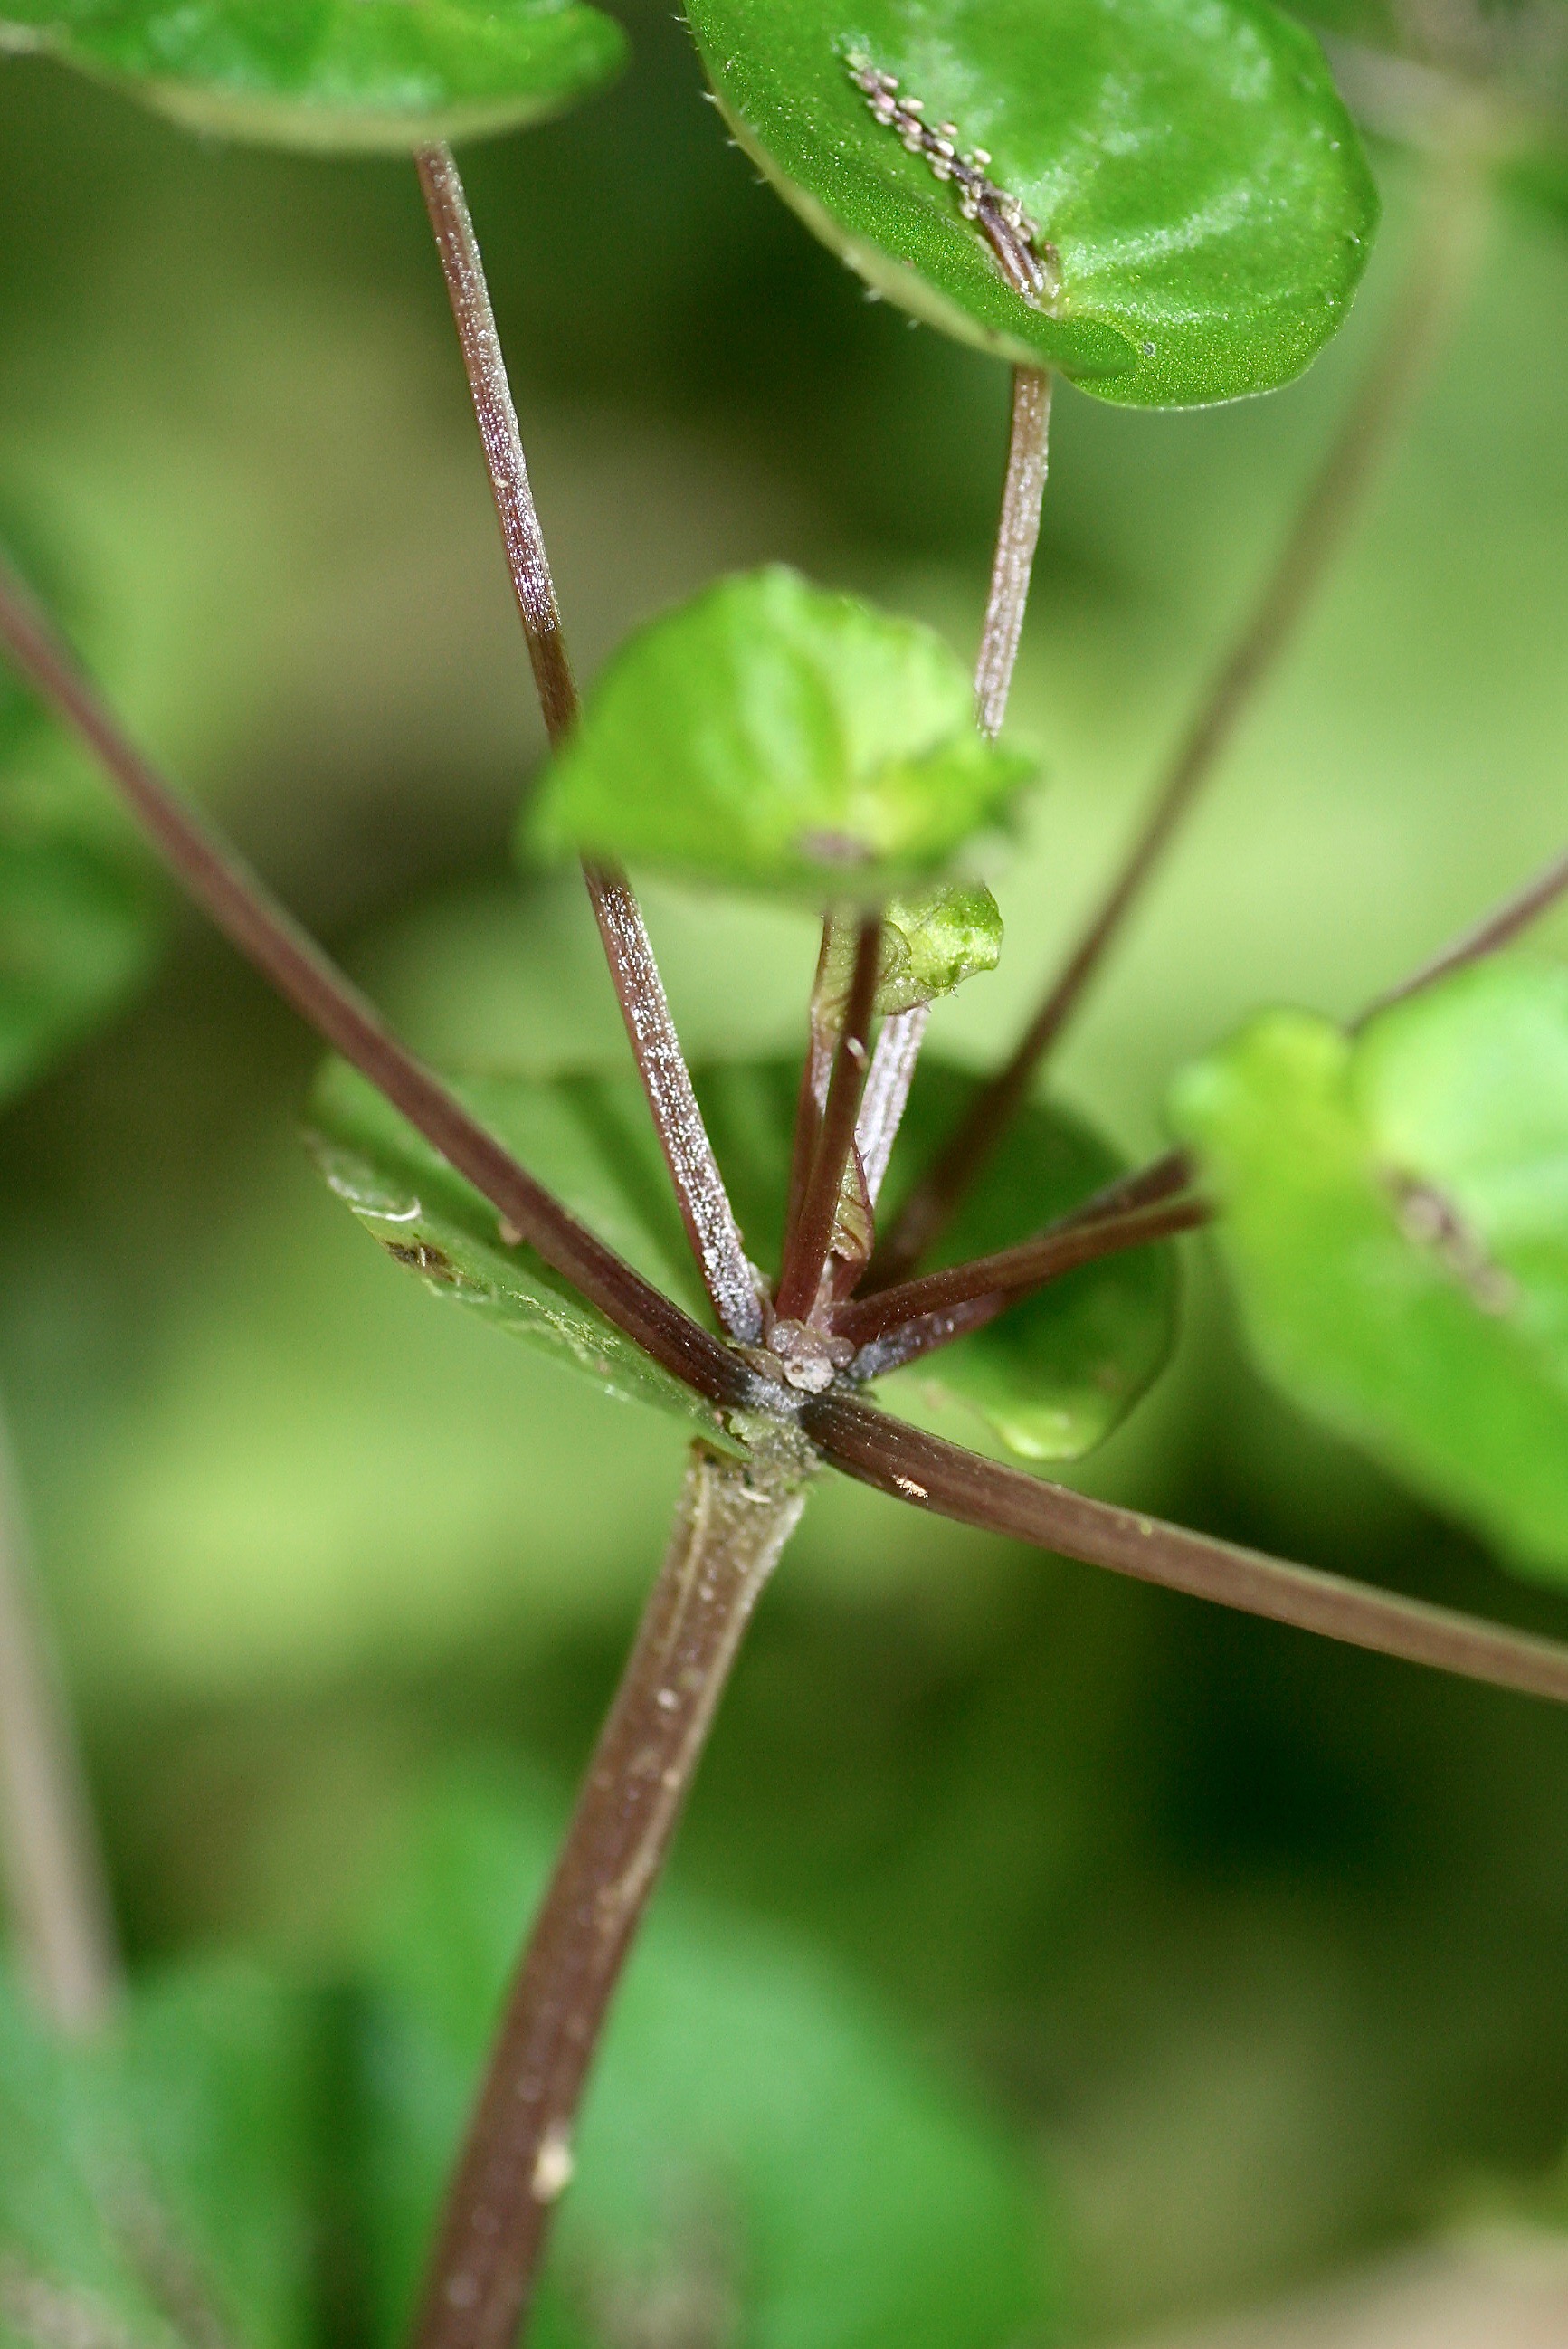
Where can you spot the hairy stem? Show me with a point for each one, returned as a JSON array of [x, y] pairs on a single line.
[[703, 1203], [1440, 268], [732, 1525], [1012, 565], [912, 1466], [56, 1895], [239, 902]]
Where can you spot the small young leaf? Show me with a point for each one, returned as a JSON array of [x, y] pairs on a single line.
[[1395, 1215], [931, 943], [773, 736], [1164, 199], [758, 2150], [77, 928], [590, 1141], [346, 75], [153, 2183]]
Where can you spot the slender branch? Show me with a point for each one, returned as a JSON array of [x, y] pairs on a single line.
[[1440, 269], [56, 1889], [1012, 1273], [239, 902], [912, 1466], [1498, 928], [808, 1243], [1012, 565], [733, 1523], [703, 1203]]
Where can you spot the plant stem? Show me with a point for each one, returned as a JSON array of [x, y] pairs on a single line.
[[810, 1239], [704, 1204], [732, 1525], [1011, 1273], [57, 1893], [239, 902], [912, 1466], [1447, 250], [1498, 928], [1012, 566]]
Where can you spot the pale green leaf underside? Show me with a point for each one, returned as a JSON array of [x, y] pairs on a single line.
[[77, 930], [771, 735], [178, 2143], [757, 2143], [1048, 1381], [1188, 159], [1396, 1220], [351, 76]]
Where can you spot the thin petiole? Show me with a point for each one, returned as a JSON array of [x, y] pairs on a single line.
[[705, 1205], [1440, 270], [1017, 535], [1495, 929], [1011, 1273], [810, 1237]]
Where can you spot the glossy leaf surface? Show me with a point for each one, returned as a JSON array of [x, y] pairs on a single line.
[[931, 943], [154, 2183], [1396, 1220], [1200, 207], [589, 1141], [78, 929], [757, 2150], [773, 736], [333, 75]]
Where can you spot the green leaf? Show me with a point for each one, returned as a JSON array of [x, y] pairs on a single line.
[[590, 1141], [759, 2145], [1396, 1220], [77, 928], [773, 736], [931, 943], [351, 76], [1200, 207], [153, 2183]]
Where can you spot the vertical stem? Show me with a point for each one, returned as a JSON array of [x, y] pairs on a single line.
[[56, 1891], [1448, 246], [703, 1203], [1012, 565], [733, 1522], [810, 1235]]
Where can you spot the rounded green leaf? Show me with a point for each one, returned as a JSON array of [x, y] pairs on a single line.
[[1395, 1215], [1164, 199], [1049, 1379], [762, 2153], [932, 941], [350, 76], [773, 736]]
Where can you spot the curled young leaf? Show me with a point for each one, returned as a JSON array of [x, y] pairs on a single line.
[[1164, 199], [333, 76], [1395, 1218], [773, 736], [932, 941]]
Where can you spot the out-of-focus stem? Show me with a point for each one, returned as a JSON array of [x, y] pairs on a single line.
[[56, 1895], [733, 1523]]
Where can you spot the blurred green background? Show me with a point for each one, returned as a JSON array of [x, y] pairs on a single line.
[[1258, 1947]]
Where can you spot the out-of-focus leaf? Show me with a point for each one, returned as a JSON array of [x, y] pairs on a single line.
[[348, 76], [154, 2183], [588, 1139], [78, 929], [773, 736], [759, 2149], [1396, 1220], [931, 943], [1188, 190]]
